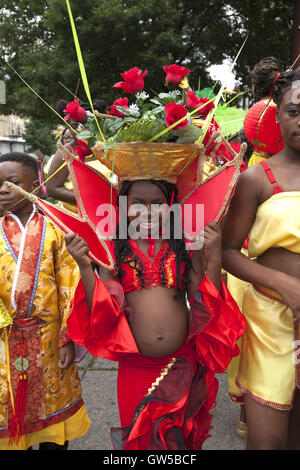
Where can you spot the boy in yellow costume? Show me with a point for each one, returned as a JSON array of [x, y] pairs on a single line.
[[40, 391]]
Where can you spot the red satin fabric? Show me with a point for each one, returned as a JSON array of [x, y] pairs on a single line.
[[105, 331], [176, 416], [216, 345], [215, 326]]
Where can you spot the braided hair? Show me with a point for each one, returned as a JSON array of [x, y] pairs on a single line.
[[263, 76], [124, 252], [284, 83]]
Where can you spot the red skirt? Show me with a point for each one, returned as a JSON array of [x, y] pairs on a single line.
[[164, 402], [173, 413]]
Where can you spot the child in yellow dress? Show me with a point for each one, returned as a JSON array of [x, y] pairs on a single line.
[[40, 391], [269, 374]]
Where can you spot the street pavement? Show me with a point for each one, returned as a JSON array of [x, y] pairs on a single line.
[[99, 383]]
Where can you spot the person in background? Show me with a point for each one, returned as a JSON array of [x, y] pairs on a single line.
[[268, 373], [60, 187], [257, 133]]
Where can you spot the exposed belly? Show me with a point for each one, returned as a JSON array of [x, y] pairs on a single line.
[[159, 324], [281, 260]]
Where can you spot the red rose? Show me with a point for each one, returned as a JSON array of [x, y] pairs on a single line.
[[134, 81], [173, 113], [194, 102], [175, 73], [120, 102], [74, 111], [82, 150]]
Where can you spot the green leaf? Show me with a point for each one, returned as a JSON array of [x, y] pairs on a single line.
[[84, 135], [128, 112], [206, 93], [188, 134]]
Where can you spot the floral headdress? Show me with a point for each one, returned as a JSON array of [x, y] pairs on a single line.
[[176, 116]]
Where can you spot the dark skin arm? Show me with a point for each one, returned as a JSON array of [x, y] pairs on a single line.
[[79, 249], [207, 260], [55, 186], [251, 190]]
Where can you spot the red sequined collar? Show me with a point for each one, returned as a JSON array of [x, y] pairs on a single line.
[[141, 272]]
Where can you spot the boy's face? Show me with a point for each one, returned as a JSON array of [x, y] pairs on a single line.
[[21, 176]]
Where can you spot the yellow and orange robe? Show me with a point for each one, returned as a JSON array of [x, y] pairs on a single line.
[[37, 283]]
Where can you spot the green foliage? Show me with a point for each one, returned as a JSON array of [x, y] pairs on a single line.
[[35, 37], [230, 118], [38, 136], [206, 93]]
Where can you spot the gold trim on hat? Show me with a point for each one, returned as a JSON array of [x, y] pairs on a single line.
[[148, 160]]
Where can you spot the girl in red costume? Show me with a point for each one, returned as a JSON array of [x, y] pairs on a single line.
[[168, 349]]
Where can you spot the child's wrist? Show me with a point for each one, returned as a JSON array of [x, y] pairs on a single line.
[[214, 264], [85, 266]]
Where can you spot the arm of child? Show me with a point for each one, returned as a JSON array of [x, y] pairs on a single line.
[[66, 355], [56, 186], [207, 260], [98, 318], [66, 278], [78, 249], [237, 225], [215, 319]]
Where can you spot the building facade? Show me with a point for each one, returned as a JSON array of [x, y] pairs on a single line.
[[11, 131]]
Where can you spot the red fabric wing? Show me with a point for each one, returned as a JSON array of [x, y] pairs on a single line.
[[95, 196], [211, 199], [99, 249]]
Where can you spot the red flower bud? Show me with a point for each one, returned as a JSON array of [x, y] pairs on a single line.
[[175, 73], [74, 111], [173, 113], [120, 102], [194, 102], [133, 81], [82, 150]]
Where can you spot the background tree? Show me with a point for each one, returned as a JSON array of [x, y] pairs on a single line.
[[36, 39], [39, 136]]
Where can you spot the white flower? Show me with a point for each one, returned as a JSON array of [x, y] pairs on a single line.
[[142, 95], [173, 94], [134, 108]]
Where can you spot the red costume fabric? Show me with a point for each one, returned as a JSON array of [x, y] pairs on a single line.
[[170, 410], [162, 271]]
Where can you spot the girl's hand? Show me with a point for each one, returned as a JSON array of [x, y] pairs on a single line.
[[289, 289], [212, 244], [66, 355], [78, 249]]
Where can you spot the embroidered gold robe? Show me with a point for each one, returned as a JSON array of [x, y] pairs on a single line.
[[38, 278]]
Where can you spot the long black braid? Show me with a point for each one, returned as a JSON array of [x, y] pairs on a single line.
[[124, 252]]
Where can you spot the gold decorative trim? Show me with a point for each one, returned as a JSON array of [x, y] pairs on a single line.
[[164, 372]]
